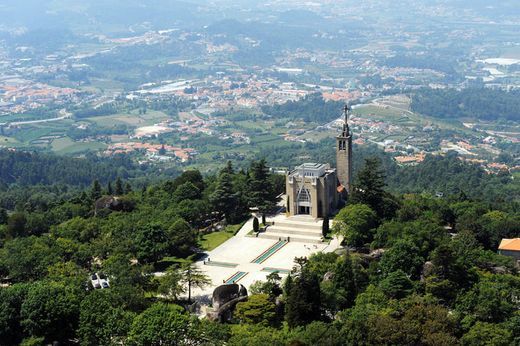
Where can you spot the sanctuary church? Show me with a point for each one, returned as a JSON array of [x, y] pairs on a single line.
[[315, 188]]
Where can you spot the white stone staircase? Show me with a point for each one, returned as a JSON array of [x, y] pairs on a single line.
[[299, 228]]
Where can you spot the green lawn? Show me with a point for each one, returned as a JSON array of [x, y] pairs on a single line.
[[210, 241], [166, 262]]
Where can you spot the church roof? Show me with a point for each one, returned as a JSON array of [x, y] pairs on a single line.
[[312, 165], [309, 169]]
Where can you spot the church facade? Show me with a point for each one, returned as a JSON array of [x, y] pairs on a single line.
[[315, 189]]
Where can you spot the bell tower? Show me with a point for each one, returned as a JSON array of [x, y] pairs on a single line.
[[344, 153]]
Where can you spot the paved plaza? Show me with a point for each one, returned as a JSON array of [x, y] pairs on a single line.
[[244, 259]]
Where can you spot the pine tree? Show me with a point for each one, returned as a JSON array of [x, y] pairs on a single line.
[[16, 225], [223, 199], [3, 216], [228, 169], [95, 192], [273, 285], [287, 285], [128, 188], [325, 226], [110, 191], [261, 195], [303, 301], [119, 187], [84, 199], [194, 277], [170, 285], [344, 282], [369, 186]]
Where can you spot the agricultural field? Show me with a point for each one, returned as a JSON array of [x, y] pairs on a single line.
[[244, 133], [80, 147], [132, 119]]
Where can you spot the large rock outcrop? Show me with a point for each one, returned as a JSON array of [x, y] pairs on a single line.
[[225, 298], [114, 203]]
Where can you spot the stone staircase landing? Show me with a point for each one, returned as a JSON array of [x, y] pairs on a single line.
[[299, 228]]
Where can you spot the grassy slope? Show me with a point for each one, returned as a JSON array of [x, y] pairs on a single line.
[[212, 240]]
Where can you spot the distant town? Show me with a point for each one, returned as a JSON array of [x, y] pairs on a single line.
[[207, 94]]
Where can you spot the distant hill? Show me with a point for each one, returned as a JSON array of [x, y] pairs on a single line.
[[312, 108], [107, 14], [451, 176], [473, 103], [24, 168]]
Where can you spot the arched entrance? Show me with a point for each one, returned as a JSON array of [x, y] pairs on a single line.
[[303, 202]]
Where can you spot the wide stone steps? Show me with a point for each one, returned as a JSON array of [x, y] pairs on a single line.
[[298, 228], [291, 237], [292, 230], [310, 225]]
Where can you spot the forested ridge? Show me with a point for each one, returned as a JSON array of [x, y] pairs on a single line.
[[451, 176], [34, 178], [31, 168], [419, 270], [471, 103], [438, 63], [312, 108]]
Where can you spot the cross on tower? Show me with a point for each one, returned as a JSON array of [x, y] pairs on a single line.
[[346, 112]]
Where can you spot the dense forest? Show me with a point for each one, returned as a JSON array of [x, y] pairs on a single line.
[[423, 62], [24, 168], [41, 178], [48, 250], [35, 178], [414, 270], [450, 176], [473, 103], [312, 108]]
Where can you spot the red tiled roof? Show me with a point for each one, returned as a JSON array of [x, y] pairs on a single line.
[[510, 244]]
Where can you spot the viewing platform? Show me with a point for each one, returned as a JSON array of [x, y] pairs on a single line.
[[245, 258]]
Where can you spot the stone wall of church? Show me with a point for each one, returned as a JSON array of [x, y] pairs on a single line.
[[322, 194]]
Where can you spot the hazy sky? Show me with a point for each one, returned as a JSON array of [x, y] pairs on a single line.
[[119, 15]]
